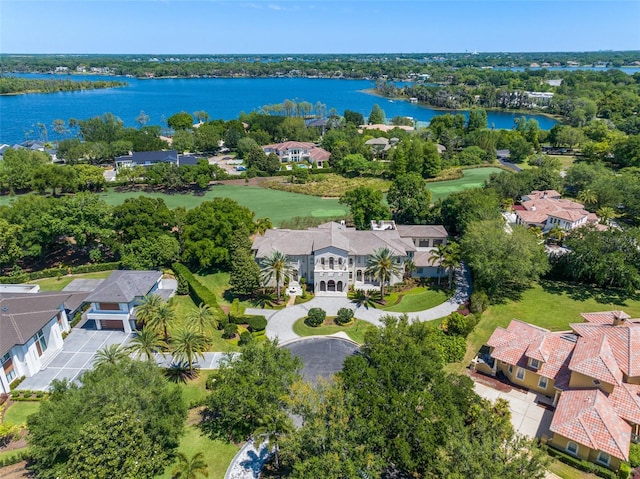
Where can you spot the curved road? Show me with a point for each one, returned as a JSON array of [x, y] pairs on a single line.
[[248, 463]]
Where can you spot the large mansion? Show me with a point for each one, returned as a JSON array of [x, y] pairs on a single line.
[[590, 374], [333, 257], [298, 152]]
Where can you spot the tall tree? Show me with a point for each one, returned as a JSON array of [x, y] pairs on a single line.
[[377, 116], [111, 354], [202, 317], [366, 205], [276, 267], [148, 309], [146, 343], [451, 260], [180, 121], [437, 255], [187, 345], [383, 266], [164, 317], [409, 199]]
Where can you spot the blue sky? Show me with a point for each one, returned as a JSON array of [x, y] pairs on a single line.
[[316, 26]]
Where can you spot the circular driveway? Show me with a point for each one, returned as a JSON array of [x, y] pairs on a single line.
[[321, 356]]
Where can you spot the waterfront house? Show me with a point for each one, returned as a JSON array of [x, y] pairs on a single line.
[[590, 374], [298, 151], [113, 302], [332, 257], [31, 328]]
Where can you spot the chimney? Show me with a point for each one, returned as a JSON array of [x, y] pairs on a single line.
[[619, 317]]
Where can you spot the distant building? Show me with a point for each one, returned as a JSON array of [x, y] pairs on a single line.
[[546, 209], [298, 151], [148, 158]]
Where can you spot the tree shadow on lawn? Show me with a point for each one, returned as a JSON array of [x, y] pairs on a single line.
[[582, 292]]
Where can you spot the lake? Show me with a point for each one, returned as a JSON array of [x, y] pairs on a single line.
[[223, 98]]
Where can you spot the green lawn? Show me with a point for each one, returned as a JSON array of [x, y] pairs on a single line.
[[565, 471], [184, 304], [551, 305], [57, 284], [18, 412], [355, 331], [276, 205], [472, 178], [416, 299], [195, 390], [217, 454]]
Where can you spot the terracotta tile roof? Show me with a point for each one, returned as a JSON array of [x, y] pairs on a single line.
[[536, 194], [626, 402], [511, 344], [624, 341], [605, 317], [593, 357], [587, 417]]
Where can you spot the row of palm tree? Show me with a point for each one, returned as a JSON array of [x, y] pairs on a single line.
[[448, 257], [156, 315]]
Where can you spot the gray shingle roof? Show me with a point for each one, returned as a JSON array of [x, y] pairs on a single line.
[[23, 314], [123, 286], [422, 231]]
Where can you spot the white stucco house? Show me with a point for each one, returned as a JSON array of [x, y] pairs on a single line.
[[333, 257], [298, 152], [31, 327], [114, 300], [546, 209]]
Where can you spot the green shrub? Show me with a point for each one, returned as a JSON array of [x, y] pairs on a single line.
[[316, 317], [479, 302], [245, 338], [236, 312], [345, 315], [230, 331], [625, 471], [15, 383], [257, 323], [198, 292], [14, 458], [457, 324], [634, 454]]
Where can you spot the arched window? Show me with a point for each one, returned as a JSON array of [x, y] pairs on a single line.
[[331, 285], [572, 448], [331, 261], [339, 286], [323, 286], [340, 261], [322, 261]]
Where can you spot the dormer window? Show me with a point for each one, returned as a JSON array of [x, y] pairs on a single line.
[[534, 363], [596, 383]]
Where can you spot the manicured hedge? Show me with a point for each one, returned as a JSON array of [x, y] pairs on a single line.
[[19, 455], [53, 272], [198, 292], [256, 323], [581, 464]]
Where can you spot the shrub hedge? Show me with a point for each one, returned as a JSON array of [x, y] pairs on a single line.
[[581, 464], [230, 331], [198, 292], [256, 323], [14, 458], [316, 317]]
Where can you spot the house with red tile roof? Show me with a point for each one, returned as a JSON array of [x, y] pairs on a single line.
[[298, 151], [546, 209], [590, 374]]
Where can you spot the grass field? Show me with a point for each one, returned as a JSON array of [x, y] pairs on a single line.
[[266, 203], [416, 299], [355, 330], [551, 305], [217, 454], [18, 412], [330, 184], [57, 284], [472, 178]]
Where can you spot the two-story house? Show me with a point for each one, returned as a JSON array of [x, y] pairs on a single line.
[[546, 209], [591, 375], [298, 152], [31, 327], [333, 257], [149, 158], [114, 301]]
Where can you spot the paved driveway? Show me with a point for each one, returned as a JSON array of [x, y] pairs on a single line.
[[321, 356], [75, 357]]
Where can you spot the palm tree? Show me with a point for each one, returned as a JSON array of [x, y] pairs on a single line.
[[606, 214], [112, 354], [588, 197], [381, 265], [263, 224], [187, 345], [276, 266], [148, 309], [409, 268], [146, 343], [557, 233], [164, 316], [451, 260], [437, 255], [272, 427], [202, 316], [190, 468]]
